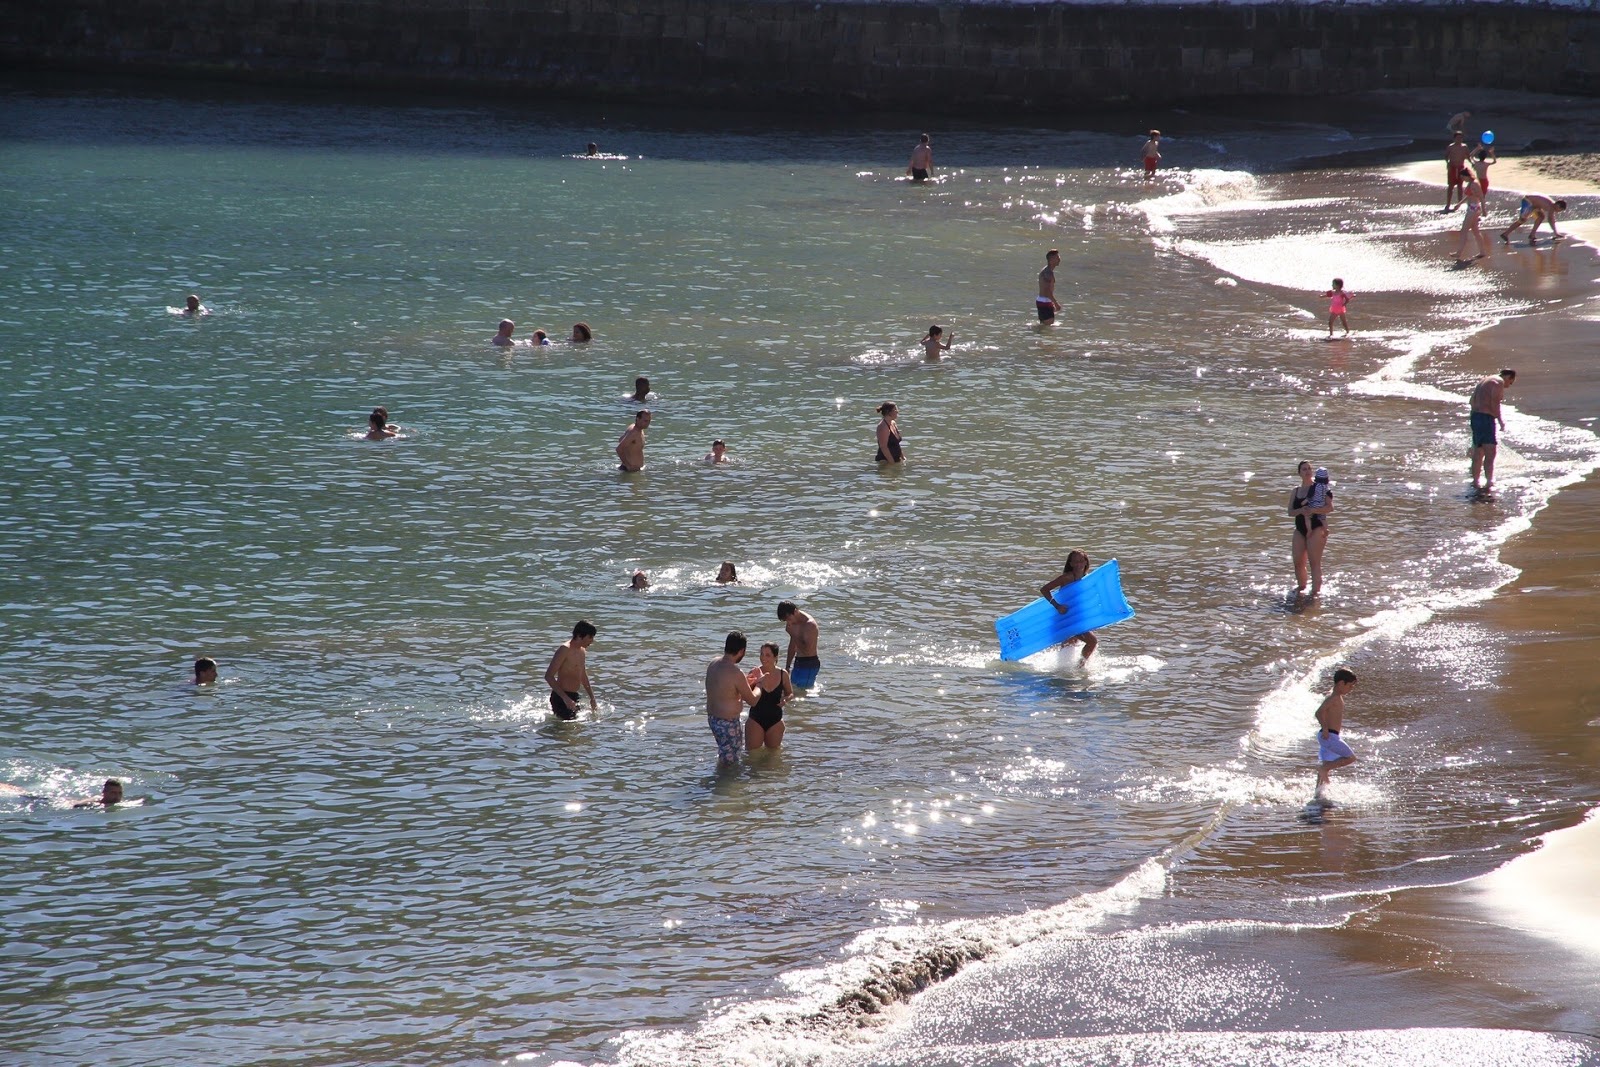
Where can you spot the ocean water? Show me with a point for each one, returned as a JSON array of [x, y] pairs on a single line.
[[371, 843]]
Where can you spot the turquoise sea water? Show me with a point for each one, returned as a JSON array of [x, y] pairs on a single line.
[[371, 843]]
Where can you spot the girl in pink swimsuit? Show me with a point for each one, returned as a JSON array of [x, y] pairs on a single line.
[[1338, 302]]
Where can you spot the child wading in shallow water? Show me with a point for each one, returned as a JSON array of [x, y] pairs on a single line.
[[935, 342], [1331, 749], [1338, 302]]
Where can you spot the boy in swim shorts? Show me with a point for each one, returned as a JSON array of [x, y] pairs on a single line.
[[1541, 209], [1152, 154], [1045, 303], [1332, 752]]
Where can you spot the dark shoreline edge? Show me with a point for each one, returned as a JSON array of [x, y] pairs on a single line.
[[821, 57]]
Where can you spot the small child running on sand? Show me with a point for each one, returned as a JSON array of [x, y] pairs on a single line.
[[1331, 749], [934, 342], [1152, 154], [1338, 302]]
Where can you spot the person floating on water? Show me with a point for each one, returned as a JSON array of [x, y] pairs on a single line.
[[1485, 405], [205, 670], [581, 334], [935, 342], [728, 574], [503, 338], [921, 166], [1539, 208], [727, 690], [641, 390], [770, 682], [110, 794], [1077, 566], [718, 453], [378, 428], [1456, 154], [1046, 303], [1152, 154], [569, 671], [193, 309], [1332, 752], [541, 339], [639, 582], [630, 446], [1310, 503], [802, 659], [890, 443], [1338, 303]]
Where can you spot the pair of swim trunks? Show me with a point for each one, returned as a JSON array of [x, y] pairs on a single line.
[[1047, 310], [1150, 164], [559, 706], [918, 174], [730, 738], [1332, 748], [804, 675], [1483, 429]]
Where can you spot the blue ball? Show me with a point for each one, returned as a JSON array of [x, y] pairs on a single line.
[[1488, 137]]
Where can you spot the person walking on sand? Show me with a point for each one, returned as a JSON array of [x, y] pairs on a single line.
[[1152, 154], [1332, 752], [630, 446], [1310, 503], [771, 685], [1045, 303], [1485, 404], [727, 690], [1456, 154], [1338, 304], [802, 659], [1077, 566], [1539, 208], [1472, 194], [935, 342], [890, 443], [921, 166], [569, 671]]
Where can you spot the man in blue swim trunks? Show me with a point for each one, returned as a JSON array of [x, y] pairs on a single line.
[[801, 661], [1486, 397], [727, 689]]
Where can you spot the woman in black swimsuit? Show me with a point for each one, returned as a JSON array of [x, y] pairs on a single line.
[[765, 724], [1310, 530], [889, 450]]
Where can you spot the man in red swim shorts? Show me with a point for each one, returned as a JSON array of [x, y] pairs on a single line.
[[1456, 154]]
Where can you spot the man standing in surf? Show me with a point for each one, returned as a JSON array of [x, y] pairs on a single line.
[[1486, 397], [1331, 749], [727, 690], [630, 446], [1046, 302], [1456, 154], [801, 662], [921, 166], [569, 671]]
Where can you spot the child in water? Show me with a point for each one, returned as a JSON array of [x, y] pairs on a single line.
[[1332, 752], [1152, 154], [1076, 568], [1338, 302], [1319, 489], [932, 343]]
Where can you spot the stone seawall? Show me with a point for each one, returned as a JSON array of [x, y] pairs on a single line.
[[948, 58]]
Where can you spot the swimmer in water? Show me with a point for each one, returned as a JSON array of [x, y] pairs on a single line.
[[591, 149], [205, 670], [503, 338], [378, 428], [718, 453], [110, 794], [630, 446], [1046, 303], [728, 575], [581, 334], [639, 582], [641, 390], [803, 637], [569, 670], [770, 683], [921, 166], [1152, 154], [936, 342], [889, 439], [193, 309], [541, 339], [1077, 566]]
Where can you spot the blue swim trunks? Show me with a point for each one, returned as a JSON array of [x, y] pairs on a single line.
[[730, 738], [804, 675], [1332, 748], [1483, 429]]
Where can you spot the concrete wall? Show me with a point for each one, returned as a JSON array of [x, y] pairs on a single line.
[[927, 57]]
